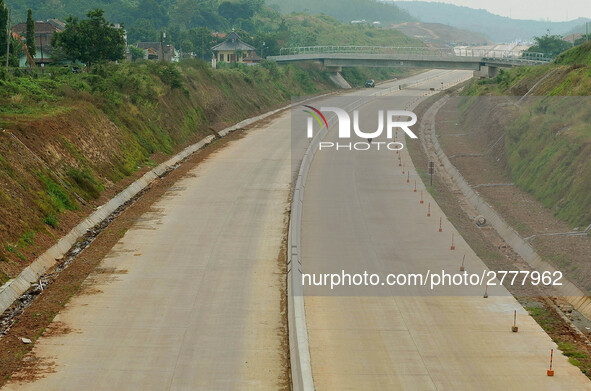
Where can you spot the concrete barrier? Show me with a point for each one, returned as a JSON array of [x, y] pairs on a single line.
[[301, 369], [575, 296], [299, 351]]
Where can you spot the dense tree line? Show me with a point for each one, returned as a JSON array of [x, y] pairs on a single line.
[[145, 19], [549, 44], [190, 24], [92, 40]]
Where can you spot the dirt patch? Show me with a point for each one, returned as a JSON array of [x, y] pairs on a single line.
[[55, 329], [33, 368], [283, 332], [16, 356]]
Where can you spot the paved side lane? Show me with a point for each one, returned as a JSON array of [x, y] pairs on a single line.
[[190, 298]]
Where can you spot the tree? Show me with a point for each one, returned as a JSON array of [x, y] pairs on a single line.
[[3, 27], [267, 44], [92, 40], [551, 45], [187, 47], [142, 30], [203, 41], [31, 34], [12, 59], [238, 10], [136, 53]]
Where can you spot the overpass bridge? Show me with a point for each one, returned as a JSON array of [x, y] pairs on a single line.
[[483, 61]]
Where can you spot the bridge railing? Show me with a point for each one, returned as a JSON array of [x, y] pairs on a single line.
[[364, 50], [420, 51]]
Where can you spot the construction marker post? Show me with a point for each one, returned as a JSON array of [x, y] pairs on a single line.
[[440, 228], [486, 292], [408, 177], [452, 242], [422, 197], [415, 186], [402, 168], [514, 328], [550, 371], [429, 210], [463, 260]]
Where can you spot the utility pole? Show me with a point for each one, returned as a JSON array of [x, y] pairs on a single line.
[[41, 39], [42, 58], [161, 53]]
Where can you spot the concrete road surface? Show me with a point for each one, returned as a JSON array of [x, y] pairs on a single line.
[[190, 297], [360, 214]]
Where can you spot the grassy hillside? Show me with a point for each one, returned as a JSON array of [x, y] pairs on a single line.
[[548, 151], [438, 34], [345, 10], [548, 143], [71, 140], [577, 56], [310, 30], [498, 28], [569, 74]]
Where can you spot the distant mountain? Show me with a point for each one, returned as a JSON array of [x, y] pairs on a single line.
[[498, 28], [438, 34], [345, 10]]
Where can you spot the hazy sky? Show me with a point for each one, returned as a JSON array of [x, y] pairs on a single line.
[[554, 10]]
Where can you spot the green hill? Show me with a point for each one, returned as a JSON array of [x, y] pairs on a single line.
[[346, 10], [438, 34], [310, 30], [189, 23]]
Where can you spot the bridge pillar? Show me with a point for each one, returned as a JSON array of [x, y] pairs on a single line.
[[336, 77], [487, 71], [339, 80]]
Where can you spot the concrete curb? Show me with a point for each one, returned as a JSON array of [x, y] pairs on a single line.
[[301, 369], [571, 293], [13, 289]]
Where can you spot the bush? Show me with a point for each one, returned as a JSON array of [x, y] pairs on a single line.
[[168, 73], [86, 182], [50, 220], [58, 195]]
